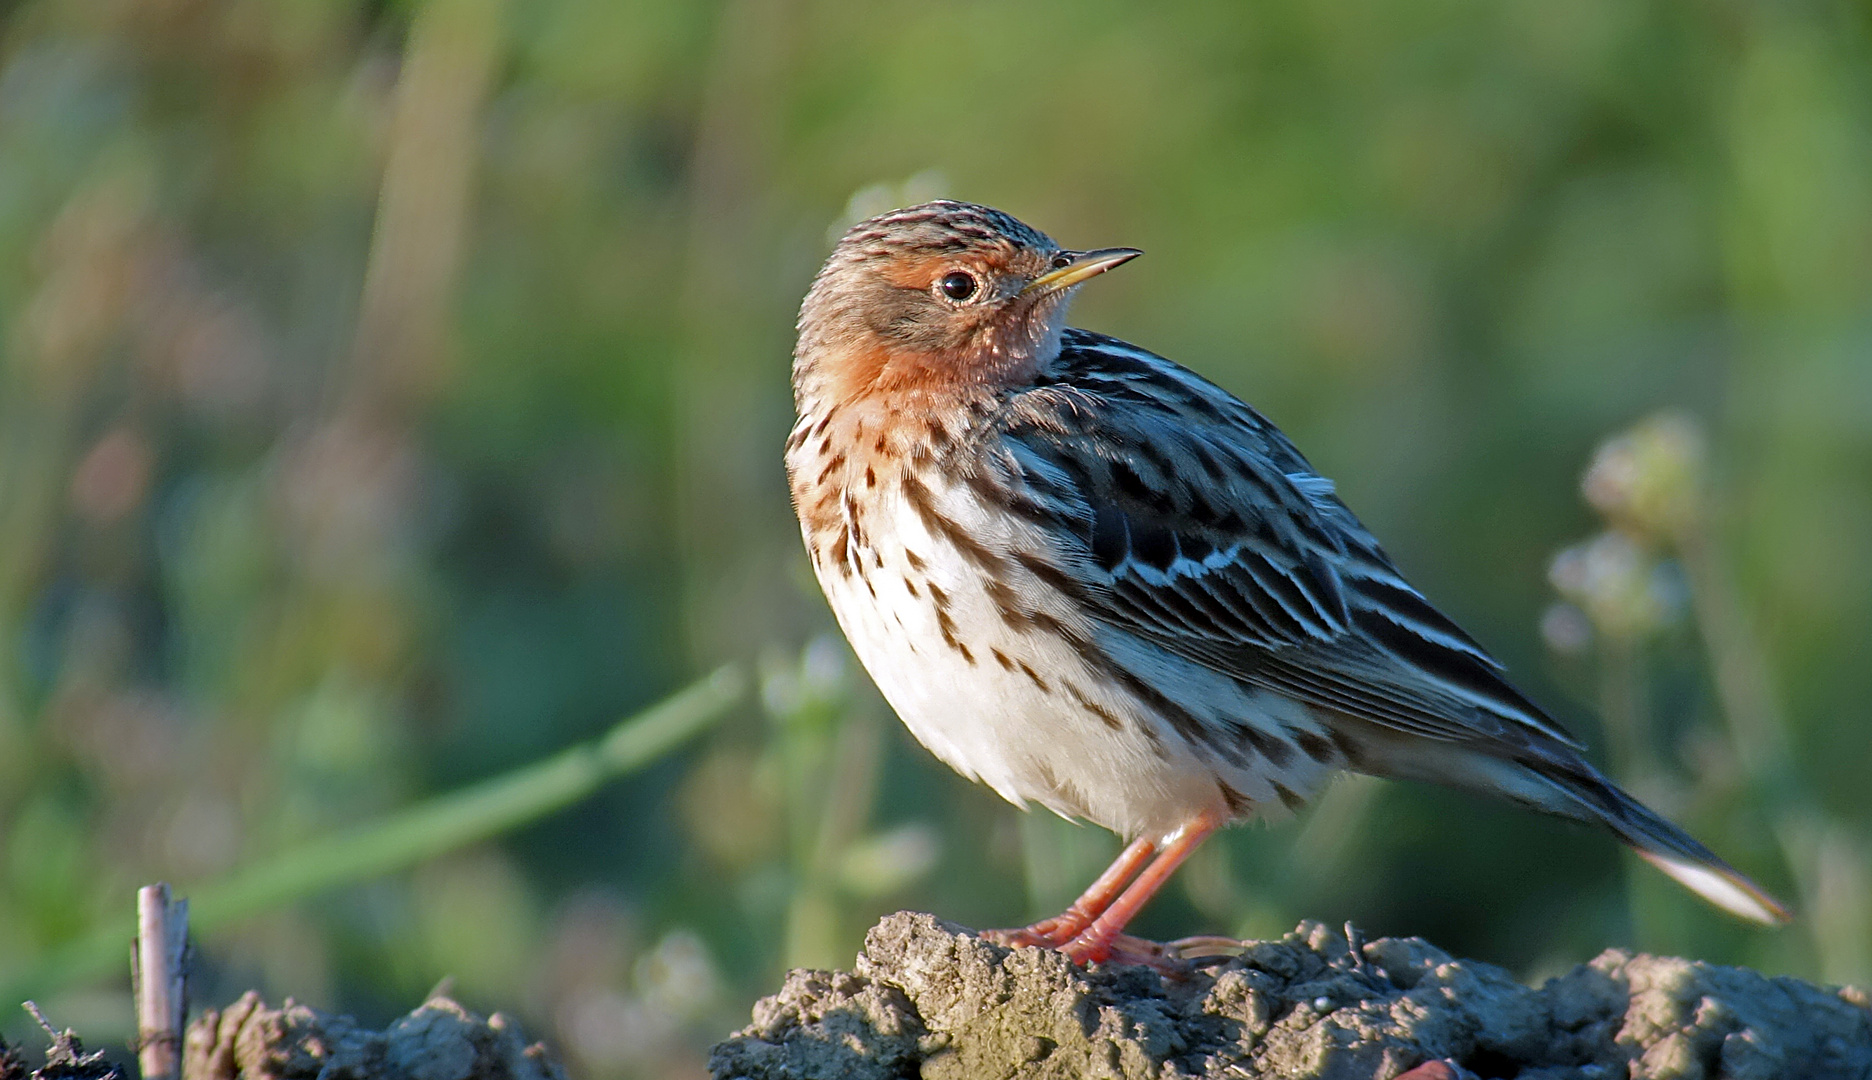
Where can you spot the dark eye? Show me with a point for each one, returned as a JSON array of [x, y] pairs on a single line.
[[1062, 261], [957, 285]]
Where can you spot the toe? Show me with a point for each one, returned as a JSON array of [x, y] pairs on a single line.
[[1045, 934], [1124, 949]]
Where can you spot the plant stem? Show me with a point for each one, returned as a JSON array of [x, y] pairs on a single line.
[[420, 832]]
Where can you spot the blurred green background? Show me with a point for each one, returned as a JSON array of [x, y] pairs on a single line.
[[391, 394]]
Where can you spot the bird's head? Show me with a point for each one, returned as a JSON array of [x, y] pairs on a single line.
[[942, 294]]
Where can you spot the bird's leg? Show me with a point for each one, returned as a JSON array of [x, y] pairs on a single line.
[[1061, 928], [1101, 939]]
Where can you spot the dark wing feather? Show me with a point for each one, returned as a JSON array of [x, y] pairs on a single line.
[[1195, 523]]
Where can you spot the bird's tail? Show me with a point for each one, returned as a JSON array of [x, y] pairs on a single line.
[[1554, 780], [1586, 795]]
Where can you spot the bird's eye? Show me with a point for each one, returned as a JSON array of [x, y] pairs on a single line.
[[957, 285], [1061, 261]]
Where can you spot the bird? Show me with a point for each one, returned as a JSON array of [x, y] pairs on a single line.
[[1095, 581]]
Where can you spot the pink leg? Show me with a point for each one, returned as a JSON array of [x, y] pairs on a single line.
[[1094, 944], [1054, 932]]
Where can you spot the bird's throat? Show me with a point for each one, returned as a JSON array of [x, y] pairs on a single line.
[[854, 372]]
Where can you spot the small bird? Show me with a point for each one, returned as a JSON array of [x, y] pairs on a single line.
[[1089, 578]]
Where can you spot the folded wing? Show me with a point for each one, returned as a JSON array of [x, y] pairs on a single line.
[[1193, 522]]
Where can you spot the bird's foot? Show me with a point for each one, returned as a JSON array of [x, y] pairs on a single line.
[[1094, 948], [1046, 934], [1083, 946], [1072, 937]]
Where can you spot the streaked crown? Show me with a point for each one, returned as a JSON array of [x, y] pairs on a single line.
[[943, 227]]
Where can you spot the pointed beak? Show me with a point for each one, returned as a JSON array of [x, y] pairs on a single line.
[[1079, 265]]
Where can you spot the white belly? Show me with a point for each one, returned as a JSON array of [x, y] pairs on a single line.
[[1020, 710]]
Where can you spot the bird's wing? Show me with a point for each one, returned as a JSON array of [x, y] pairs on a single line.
[[1190, 520]]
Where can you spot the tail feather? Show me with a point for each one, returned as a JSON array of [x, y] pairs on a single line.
[[1723, 886], [1547, 776], [1598, 801]]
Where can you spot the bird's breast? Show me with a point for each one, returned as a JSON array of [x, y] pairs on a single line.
[[952, 605]]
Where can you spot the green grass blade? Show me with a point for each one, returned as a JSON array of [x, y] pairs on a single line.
[[412, 835]]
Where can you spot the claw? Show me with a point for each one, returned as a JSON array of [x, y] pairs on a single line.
[[1206, 947]]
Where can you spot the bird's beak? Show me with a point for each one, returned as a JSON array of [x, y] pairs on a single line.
[[1082, 265]]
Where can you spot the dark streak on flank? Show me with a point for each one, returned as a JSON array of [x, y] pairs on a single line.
[[1238, 804], [1185, 722], [836, 555], [918, 495], [1007, 605], [1100, 711], [1288, 797], [1048, 573], [1090, 654], [947, 628], [1022, 506], [945, 624]]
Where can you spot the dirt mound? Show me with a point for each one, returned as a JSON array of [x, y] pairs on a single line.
[[249, 1040], [928, 998]]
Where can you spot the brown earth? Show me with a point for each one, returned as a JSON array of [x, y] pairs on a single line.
[[929, 999], [250, 1040]]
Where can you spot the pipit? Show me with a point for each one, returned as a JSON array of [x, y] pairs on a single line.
[[1091, 579]]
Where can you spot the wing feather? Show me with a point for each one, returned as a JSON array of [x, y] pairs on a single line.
[[1221, 544]]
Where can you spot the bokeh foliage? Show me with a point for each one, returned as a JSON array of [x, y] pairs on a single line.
[[391, 394]]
